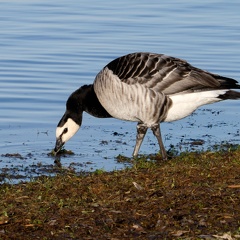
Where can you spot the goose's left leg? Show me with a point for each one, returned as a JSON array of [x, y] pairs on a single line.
[[157, 132], [141, 132]]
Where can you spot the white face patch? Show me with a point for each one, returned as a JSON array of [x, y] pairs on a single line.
[[70, 127]]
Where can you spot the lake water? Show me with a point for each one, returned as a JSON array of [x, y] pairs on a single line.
[[50, 48]]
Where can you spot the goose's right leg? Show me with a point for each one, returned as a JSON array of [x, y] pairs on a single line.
[[157, 132], [141, 131]]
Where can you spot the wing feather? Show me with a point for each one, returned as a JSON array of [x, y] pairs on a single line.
[[166, 74]]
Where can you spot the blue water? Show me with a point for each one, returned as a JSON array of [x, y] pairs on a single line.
[[50, 48]]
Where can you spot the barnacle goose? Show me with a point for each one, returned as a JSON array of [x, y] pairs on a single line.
[[147, 88]]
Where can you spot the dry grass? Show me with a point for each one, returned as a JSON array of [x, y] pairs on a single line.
[[193, 196]]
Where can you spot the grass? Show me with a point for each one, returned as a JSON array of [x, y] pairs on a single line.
[[192, 196]]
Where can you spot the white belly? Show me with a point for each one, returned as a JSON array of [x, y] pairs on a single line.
[[184, 104]]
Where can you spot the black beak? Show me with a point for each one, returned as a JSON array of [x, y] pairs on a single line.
[[58, 145]]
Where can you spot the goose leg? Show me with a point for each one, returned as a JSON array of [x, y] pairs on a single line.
[[157, 132], [141, 131]]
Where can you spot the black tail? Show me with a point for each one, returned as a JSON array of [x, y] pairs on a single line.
[[230, 95]]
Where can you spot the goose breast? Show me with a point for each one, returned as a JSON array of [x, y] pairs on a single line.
[[132, 102]]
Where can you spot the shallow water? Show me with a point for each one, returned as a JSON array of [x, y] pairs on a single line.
[[49, 49]]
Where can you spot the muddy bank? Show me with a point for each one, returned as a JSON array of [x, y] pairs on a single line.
[[193, 196]]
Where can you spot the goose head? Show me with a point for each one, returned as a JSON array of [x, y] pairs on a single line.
[[65, 132], [70, 122]]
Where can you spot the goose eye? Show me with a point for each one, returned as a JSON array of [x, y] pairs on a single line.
[[65, 130]]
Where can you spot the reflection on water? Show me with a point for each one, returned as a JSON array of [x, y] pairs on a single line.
[[49, 49]]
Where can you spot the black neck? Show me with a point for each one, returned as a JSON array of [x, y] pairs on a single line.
[[90, 102]]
